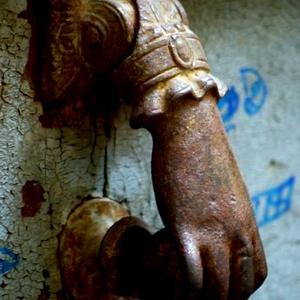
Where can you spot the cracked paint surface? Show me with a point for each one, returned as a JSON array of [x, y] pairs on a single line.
[[67, 163]]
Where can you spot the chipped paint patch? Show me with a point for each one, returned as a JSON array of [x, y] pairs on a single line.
[[32, 193], [44, 295]]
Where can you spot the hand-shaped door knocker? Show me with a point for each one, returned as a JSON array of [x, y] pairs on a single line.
[[210, 247]]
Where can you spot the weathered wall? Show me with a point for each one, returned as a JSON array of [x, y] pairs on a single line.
[[254, 46], [52, 167], [44, 173]]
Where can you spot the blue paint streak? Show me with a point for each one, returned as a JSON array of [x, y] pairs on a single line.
[[12, 261], [255, 89], [274, 203], [229, 128], [229, 104]]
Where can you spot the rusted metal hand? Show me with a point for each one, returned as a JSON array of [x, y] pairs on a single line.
[[199, 190], [210, 246], [203, 200]]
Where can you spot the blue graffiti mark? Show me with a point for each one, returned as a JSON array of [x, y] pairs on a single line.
[[273, 203], [229, 128], [255, 89], [8, 260], [229, 104]]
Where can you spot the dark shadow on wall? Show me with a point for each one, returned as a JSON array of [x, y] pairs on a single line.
[[58, 73]]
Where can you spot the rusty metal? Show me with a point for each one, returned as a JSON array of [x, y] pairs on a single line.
[[133, 261], [79, 245], [121, 255], [75, 44], [200, 193], [210, 247]]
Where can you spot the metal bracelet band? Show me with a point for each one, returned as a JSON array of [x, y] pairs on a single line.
[[165, 47]]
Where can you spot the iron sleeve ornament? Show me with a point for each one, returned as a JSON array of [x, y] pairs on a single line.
[[165, 48]]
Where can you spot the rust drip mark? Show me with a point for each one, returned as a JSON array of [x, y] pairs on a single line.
[[44, 295], [60, 295], [32, 194]]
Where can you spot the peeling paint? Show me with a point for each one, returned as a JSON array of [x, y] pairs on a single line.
[[32, 194], [43, 171], [44, 295]]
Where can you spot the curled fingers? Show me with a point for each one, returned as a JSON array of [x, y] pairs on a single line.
[[216, 266], [242, 273]]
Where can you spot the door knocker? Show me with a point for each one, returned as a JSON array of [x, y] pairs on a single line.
[[210, 247]]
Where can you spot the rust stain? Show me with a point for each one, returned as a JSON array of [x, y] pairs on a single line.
[[32, 194], [61, 296], [44, 295], [79, 245]]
